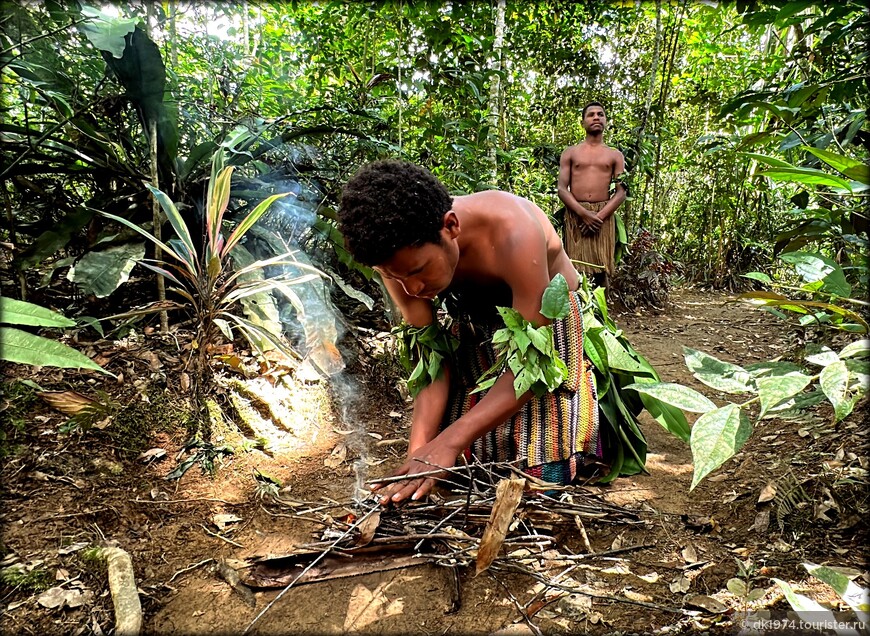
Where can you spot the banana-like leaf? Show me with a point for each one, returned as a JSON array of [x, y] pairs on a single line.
[[771, 299], [852, 168], [100, 273], [27, 348], [19, 312], [808, 176]]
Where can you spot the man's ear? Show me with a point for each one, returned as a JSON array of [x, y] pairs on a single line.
[[451, 224]]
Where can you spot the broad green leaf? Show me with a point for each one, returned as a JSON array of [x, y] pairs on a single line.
[[105, 32], [772, 368], [775, 389], [764, 278], [716, 437], [676, 395], [101, 273], [834, 380], [617, 356], [19, 312], [722, 376], [855, 596], [809, 611], [593, 347], [555, 301], [540, 338], [26, 348], [857, 349], [820, 355], [767, 160], [808, 176], [259, 307], [816, 267], [859, 375], [852, 168], [671, 418], [737, 587], [56, 237]]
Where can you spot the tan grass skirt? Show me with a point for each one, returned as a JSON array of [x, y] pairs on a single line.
[[598, 249]]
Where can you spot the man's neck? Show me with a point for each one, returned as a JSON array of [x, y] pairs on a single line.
[[594, 139]]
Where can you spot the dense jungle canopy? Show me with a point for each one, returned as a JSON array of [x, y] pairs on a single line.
[[734, 119]]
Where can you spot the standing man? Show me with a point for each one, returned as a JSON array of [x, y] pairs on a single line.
[[590, 186]]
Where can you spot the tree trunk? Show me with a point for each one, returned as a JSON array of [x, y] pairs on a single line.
[[494, 92], [667, 69], [173, 34], [638, 142], [157, 221]]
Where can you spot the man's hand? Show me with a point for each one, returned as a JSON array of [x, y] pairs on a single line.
[[426, 459], [590, 224]]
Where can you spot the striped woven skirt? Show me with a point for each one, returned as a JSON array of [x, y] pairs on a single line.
[[555, 436]]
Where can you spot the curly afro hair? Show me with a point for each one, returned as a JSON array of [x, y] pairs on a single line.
[[388, 205]]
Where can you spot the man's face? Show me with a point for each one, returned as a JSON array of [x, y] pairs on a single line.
[[425, 270], [594, 120]]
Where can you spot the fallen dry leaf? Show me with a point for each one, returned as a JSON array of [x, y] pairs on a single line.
[[67, 402], [767, 493], [690, 555], [680, 584], [762, 519], [507, 497], [368, 528], [707, 603], [337, 457]]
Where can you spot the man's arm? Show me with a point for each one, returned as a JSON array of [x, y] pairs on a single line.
[[431, 402], [587, 217], [619, 195]]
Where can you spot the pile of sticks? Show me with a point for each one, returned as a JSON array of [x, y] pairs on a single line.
[[491, 516]]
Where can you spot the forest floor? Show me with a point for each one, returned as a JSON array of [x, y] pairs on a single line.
[[66, 492]]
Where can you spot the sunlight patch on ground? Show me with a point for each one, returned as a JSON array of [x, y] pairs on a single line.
[[291, 418], [660, 463]]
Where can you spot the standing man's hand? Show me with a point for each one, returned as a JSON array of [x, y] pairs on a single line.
[[590, 223]]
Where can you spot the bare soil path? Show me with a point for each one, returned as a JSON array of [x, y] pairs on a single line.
[[62, 493]]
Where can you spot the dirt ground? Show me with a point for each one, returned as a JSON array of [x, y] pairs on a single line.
[[64, 493]]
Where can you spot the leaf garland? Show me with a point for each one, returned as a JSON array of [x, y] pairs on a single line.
[[422, 351], [529, 351]]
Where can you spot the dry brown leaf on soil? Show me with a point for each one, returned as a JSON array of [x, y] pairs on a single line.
[[690, 555], [222, 520], [151, 455], [767, 493], [707, 603], [680, 584], [762, 520], [67, 402], [507, 497], [337, 457]]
